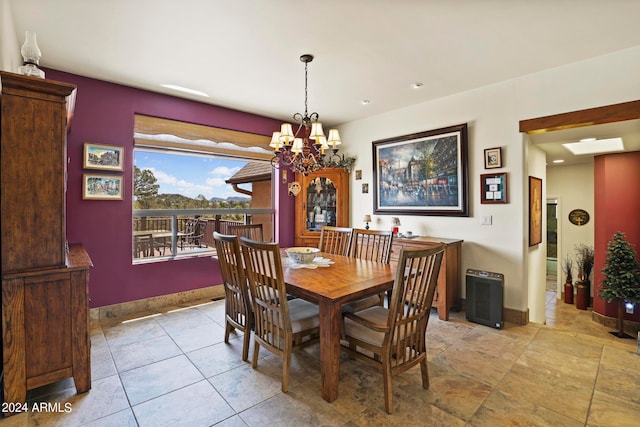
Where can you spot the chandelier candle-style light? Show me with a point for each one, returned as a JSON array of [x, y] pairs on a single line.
[[308, 149]]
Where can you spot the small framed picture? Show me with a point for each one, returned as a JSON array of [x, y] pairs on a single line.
[[101, 187], [493, 188], [493, 158], [103, 157], [358, 174], [365, 188]]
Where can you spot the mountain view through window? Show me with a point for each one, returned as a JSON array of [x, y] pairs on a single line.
[[186, 181]]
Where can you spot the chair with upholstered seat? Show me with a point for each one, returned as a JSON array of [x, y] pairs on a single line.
[[394, 338], [372, 245], [279, 325], [250, 231], [336, 240], [238, 311]]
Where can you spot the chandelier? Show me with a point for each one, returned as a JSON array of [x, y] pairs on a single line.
[[307, 150]]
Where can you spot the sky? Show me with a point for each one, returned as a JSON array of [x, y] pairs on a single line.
[[191, 175]]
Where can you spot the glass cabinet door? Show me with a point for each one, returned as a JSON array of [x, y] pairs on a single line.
[[324, 200], [320, 204]]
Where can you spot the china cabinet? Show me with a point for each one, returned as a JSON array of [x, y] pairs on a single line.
[[323, 200], [45, 301]]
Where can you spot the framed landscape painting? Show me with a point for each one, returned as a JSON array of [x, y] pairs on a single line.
[[103, 157], [423, 173], [101, 187]]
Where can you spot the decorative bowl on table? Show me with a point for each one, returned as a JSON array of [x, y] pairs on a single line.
[[302, 255]]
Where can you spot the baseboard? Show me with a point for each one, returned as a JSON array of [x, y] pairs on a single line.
[[146, 305], [508, 314], [630, 327], [515, 316]]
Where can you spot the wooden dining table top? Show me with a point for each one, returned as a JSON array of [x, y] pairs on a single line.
[[156, 234], [347, 279]]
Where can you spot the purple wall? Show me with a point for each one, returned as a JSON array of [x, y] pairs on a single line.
[[104, 114]]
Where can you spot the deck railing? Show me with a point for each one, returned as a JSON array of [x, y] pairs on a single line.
[[166, 230]]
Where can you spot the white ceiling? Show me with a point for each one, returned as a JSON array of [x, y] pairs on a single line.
[[245, 54], [551, 142]]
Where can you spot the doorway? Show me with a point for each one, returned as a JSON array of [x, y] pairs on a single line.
[[600, 122], [552, 245]]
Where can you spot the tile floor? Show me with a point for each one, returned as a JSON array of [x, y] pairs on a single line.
[[173, 369]]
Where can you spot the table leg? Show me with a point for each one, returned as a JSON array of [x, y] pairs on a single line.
[[330, 320]]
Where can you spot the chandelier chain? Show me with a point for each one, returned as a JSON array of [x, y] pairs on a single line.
[[306, 113]]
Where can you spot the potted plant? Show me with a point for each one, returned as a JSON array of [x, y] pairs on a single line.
[[621, 277], [584, 262], [567, 269]]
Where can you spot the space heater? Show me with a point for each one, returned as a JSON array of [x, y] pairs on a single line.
[[484, 298]]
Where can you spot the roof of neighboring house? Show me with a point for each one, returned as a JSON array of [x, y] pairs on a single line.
[[252, 172]]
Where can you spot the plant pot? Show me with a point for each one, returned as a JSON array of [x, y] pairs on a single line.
[[568, 293], [582, 295]]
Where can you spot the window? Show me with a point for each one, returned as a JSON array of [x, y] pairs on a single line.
[[184, 189]]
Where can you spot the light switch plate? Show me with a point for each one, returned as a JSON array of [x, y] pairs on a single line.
[[487, 220]]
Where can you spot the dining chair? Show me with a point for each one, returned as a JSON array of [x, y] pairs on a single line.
[[394, 338], [371, 245], [143, 245], [238, 311], [279, 325], [336, 240], [193, 233], [162, 245], [250, 231]]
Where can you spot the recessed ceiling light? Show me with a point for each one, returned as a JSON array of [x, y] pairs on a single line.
[[587, 139], [416, 85], [558, 161], [365, 102], [595, 146], [186, 90]]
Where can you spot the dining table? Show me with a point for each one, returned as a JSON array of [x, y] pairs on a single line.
[[331, 285], [161, 236]]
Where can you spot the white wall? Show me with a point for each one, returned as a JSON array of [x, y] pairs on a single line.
[[573, 185], [493, 114], [535, 256], [10, 58]]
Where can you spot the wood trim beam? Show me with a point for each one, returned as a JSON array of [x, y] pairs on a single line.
[[591, 116]]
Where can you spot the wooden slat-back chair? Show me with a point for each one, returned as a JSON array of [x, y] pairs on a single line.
[[280, 325], [238, 310], [250, 231], [372, 245], [396, 335], [336, 240], [193, 233]]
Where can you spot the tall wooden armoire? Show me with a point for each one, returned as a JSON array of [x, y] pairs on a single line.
[[45, 307]]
